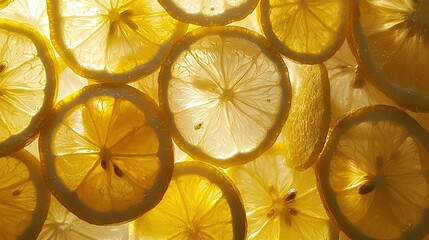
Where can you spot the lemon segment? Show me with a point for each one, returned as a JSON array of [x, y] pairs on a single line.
[[373, 175], [308, 31], [228, 84], [110, 156], [392, 40], [24, 198], [200, 203], [280, 202], [28, 82], [305, 130], [112, 41]]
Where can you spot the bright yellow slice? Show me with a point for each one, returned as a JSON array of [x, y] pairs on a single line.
[[112, 40], [305, 130], [350, 86], [373, 175], [280, 203], [226, 93], [24, 197], [201, 203], [28, 83], [209, 13], [308, 31], [392, 42], [61, 224], [106, 153]]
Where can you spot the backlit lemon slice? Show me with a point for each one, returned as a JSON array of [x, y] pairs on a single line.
[[112, 40], [373, 175], [24, 197], [226, 93], [308, 31], [106, 154], [201, 203], [28, 83]]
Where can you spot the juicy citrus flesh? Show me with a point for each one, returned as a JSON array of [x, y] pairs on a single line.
[[373, 175], [226, 84], [28, 84], [24, 198], [200, 203], [62, 224], [393, 39], [305, 130], [148, 85], [104, 40], [280, 203], [104, 156], [308, 31], [350, 86], [209, 13]]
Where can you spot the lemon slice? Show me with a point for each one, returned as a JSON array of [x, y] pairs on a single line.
[[391, 41], [209, 13], [373, 175], [112, 40], [308, 31], [106, 154], [200, 203], [62, 224], [28, 83], [305, 130], [226, 93], [350, 85], [24, 197], [280, 203]]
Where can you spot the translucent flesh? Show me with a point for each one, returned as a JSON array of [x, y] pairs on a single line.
[[106, 153], [350, 88], [192, 208], [219, 91], [385, 155], [397, 32], [22, 83], [111, 35], [17, 198], [263, 184], [62, 224], [308, 120], [148, 85], [207, 8], [306, 26]]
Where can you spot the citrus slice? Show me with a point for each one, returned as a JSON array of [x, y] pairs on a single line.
[[62, 224], [305, 130], [209, 13], [308, 31], [106, 154], [373, 175], [24, 197], [200, 203], [391, 41], [28, 83], [280, 203], [112, 40], [226, 93], [350, 85]]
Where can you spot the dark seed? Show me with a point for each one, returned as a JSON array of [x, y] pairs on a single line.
[[292, 211], [198, 126], [3, 66], [291, 194], [103, 164], [118, 171], [16, 192], [366, 188]]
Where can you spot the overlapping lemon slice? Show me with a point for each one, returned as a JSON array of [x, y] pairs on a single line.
[[209, 13], [392, 42], [4, 3], [28, 83], [200, 203], [373, 175], [226, 93], [308, 31], [281, 203], [305, 130], [106, 153], [24, 197], [112, 40]]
